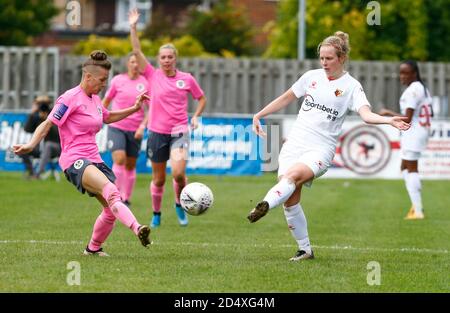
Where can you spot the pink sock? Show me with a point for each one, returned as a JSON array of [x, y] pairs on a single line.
[[157, 194], [120, 172], [177, 189], [102, 228], [129, 181], [111, 194]]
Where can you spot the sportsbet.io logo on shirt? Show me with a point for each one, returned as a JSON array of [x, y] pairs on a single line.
[[309, 104]]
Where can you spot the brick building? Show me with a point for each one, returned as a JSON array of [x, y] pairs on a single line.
[[78, 19]]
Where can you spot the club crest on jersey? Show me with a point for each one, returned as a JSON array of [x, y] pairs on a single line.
[[180, 83], [78, 164], [99, 110], [140, 87], [313, 85], [338, 92]]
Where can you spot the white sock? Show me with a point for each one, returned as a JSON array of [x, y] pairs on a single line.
[[298, 226], [414, 187], [279, 193]]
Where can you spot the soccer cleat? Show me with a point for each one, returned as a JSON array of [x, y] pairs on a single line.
[[182, 217], [302, 255], [410, 213], [156, 220], [415, 216], [259, 211], [144, 235], [99, 252]]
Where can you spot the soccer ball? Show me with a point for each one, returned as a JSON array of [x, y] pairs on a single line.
[[196, 198]]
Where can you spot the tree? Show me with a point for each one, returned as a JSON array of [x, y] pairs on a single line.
[[222, 28], [438, 28], [22, 19], [408, 30]]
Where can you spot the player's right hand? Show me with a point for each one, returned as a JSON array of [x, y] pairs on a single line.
[[133, 17], [21, 149], [257, 128]]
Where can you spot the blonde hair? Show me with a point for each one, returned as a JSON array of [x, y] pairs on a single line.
[[339, 41], [98, 58], [169, 46]]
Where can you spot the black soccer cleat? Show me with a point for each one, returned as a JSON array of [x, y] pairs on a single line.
[[259, 211], [144, 235], [302, 255]]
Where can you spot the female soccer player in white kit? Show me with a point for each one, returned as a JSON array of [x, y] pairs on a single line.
[[415, 103], [329, 93]]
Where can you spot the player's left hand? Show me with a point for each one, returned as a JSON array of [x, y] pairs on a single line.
[[194, 122], [140, 99], [139, 133], [399, 122]]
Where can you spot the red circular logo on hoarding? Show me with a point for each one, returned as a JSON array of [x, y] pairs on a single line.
[[365, 149]]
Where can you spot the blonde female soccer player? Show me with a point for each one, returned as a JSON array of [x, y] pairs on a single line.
[[329, 94], [168, 120]]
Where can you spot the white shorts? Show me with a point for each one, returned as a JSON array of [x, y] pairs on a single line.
[[318, 161], [410, 155]]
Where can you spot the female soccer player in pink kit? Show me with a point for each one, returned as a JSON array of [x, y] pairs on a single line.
[[125, 136], [168, 120], [79, 115]]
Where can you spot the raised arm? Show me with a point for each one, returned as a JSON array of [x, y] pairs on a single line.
[[274, 106], [39, 134], [369, 117], [133, 17]]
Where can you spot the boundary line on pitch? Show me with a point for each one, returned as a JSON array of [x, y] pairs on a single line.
[[262, 245]]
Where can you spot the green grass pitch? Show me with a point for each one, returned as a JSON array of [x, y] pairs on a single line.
[[45, 225]]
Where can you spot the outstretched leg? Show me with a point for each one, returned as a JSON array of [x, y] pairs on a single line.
[[282, 191], [96, 182]]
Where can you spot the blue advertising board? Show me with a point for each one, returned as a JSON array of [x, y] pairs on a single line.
[[219, 146]]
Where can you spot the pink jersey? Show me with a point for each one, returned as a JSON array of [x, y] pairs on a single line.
[[123, 92], [79, 118], [169, 100]]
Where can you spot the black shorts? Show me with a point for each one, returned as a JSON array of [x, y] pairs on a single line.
[[160, 145], [74, 173], [123, 140]]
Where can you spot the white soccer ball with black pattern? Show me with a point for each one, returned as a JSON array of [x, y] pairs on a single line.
[[196, 198]]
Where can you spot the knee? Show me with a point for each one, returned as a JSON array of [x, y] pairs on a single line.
[[158, 182], [180, 178], [119, 161]]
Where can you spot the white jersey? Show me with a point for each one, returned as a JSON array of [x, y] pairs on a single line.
[[324, 108], [414, 97]]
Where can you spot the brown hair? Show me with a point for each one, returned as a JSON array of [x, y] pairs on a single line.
[[339, 41], [98, 58]]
